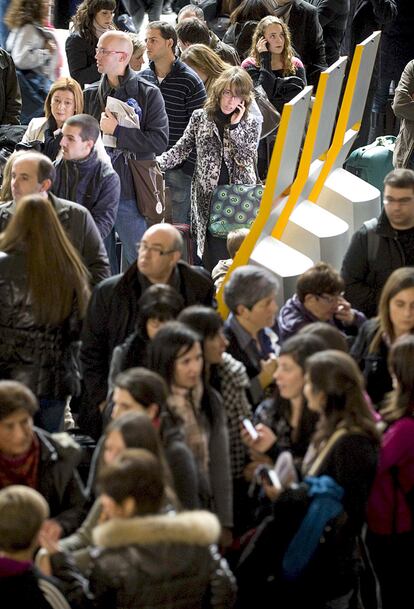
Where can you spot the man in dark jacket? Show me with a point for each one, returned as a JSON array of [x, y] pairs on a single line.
[[306, 34], [333, 16], [113, 54], [82, 177], [33, 173], [112, 310], [10, 98], [381, 245]]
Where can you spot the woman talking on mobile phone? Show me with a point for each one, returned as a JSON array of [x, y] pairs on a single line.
[[272, 63], [225, 136]]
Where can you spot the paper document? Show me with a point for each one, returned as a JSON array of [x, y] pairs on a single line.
[[124, 114]]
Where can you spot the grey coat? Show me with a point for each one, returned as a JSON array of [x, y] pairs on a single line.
[[238, 150], [403, 107]]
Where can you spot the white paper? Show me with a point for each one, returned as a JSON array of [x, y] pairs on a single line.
[[124, 114]]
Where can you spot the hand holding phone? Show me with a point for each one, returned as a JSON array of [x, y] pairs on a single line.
[[250, 428], [262, 46], [238, 113]]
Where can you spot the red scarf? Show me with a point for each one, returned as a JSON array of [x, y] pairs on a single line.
[[23, 469]]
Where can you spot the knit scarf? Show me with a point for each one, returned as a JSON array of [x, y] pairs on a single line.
[[99, 30], [23, 469]]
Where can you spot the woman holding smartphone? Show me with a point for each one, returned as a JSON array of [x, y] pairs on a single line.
[[225, 136], [272, 64]]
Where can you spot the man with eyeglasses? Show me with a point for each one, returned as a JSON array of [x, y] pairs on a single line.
[[113, 307], [382, 244], [183, 92], [113, 54], [319, 297]]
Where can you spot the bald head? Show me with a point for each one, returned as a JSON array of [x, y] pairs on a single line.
[[160, 250], [113, 53]]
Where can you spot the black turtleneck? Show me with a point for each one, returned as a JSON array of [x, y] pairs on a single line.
[[223, 120]]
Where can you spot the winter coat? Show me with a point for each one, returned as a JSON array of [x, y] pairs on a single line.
[[161, 561], [36, 132], [111, 317], [388, 511], [81, 59], [294, 315], [59, 481], [364, 278], [238, 150], [40, 356], [333, 571], [223, 50], [373, 365], [10, 98], [333, 16], [307, 39], [81, 230], [26, 45], [143, 143], [92, 183], [403, 106]]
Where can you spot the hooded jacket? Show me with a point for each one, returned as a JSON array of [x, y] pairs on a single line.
[[92, 183], [161, 561]]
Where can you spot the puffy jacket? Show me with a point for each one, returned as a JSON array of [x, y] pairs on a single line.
[[161, 561], [10, 98], [364, 278], [81, 230], [38, 356], [59, 481], [403, 106], [93, 184]]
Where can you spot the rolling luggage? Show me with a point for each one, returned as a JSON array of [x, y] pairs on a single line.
[[371, 163]]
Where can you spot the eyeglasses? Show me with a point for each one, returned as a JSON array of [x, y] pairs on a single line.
[[402, 201], [330, 298], [153, 249], [61, 102], [105, 52], [229, 95]]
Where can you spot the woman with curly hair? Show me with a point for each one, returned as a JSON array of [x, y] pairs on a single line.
[[92, 19], [225, 136], [32, 45], [272, 64]]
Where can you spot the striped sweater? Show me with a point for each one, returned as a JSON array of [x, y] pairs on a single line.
[[183, 92]]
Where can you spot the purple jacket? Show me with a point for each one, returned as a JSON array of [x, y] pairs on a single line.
[[293, 316], [387, 500]]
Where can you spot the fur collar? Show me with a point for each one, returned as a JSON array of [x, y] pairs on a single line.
[[189, 528]]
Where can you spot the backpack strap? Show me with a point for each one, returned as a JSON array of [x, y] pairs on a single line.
[[372, 240], [313, 470]]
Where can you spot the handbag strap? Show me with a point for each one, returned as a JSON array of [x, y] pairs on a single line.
[[313, 470]]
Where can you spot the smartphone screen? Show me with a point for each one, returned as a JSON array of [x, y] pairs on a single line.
[[249, 427]]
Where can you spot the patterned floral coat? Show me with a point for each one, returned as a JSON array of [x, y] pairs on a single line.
[[238, 149]]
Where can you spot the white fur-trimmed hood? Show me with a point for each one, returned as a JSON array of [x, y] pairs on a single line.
[[190, 528]]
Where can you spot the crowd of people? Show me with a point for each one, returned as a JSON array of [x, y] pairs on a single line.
[[153, 454]]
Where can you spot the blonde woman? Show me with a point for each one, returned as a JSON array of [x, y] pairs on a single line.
[[208, 65], [225, 136], [271, 62]]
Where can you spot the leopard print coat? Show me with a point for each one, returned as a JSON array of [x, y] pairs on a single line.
[[238, 149]]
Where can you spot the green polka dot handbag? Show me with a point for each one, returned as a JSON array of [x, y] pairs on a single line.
[[234, 206]]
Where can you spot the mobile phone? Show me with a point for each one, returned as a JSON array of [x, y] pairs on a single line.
[[271, 477], [249, 427]]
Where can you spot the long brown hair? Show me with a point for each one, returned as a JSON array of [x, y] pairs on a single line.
[[400, 402], [85, 14], [235, 79], [21, 12], [57, 277], [337, 376], [287, 53], [252, 10], [401, 279]]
